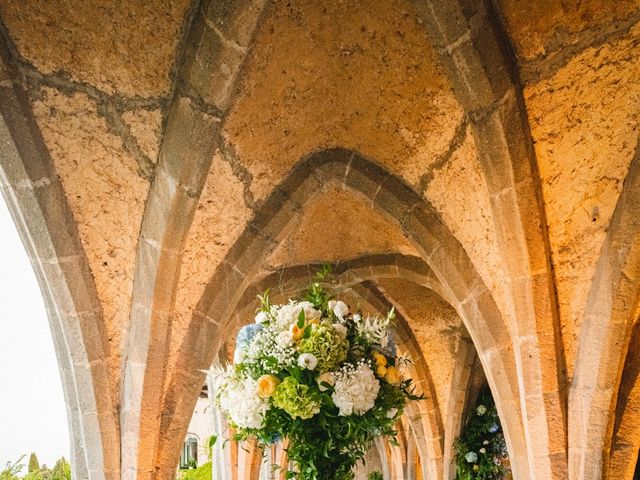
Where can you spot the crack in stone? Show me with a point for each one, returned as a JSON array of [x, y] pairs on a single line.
[[107, 106], [180, 57], [481, 114], [118, 127], [456, 142], [186, 91], [239, 171], [560, 52]]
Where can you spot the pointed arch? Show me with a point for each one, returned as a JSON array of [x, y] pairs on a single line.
[[475, 50], [604, 336], [217, 44], [625, 443], [37, 202], [419, 223]]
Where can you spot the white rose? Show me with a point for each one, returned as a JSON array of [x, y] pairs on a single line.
[[326, 377], [308, 361], [481, 410], [262, 317], [392, 412], [339, 308], [483, 450], [486, 442], [341, 330]]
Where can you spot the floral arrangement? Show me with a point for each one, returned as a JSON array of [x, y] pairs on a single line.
[[481, 452], [323, 378]]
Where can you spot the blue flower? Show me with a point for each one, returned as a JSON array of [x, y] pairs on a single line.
[[245, 335], [494, 428], [390, 344]]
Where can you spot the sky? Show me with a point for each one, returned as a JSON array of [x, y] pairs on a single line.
[[32, 410]]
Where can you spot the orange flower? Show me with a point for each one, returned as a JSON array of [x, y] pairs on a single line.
[[297, 332], [392, 376], [267, 385], [381, 371], [380, 359]]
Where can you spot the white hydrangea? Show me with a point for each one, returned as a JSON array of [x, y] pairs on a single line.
[[355, 390], [238, 397], [288, 314]]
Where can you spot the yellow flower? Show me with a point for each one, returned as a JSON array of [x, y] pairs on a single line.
[[267, 385], [297, 332], [392, 376], [314, 321], [380, 359], [381, 371], [476, 468]]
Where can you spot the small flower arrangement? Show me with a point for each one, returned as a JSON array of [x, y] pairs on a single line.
[[321, 377], [481, 452]]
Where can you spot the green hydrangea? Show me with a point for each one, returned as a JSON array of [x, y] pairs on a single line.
[[296, 399], [327, 345]]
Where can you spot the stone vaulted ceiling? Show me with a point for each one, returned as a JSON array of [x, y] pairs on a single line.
[[473, 163]]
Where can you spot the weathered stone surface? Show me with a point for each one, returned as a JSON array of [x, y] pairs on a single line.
[[120, 48], [146, 127], [219, 220], [332, 87], [466, 210], [336, 225], [437, 329], [554, 24], [584, 122], [106, 196]]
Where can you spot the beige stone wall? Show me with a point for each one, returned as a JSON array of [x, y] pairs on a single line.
[[485, 180]]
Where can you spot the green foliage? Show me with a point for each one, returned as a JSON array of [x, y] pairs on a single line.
[[203, 472], [60, 471], [316, 293], [375, 476], [481, 450], [12, 470], [34, 465]]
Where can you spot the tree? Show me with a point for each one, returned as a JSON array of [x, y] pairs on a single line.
[[34, 465], [12, 470], [61, 470]]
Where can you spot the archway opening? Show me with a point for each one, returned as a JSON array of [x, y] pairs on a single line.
[[33, 416]]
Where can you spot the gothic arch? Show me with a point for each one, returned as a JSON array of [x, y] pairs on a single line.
[[625, 443], [604, 337], [39, 208], [419, 223], [476, 52], [202, 95]]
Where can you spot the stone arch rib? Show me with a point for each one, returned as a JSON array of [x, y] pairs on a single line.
[[625, 441], [604, 336], [216, 47], [475, 51], [420, 224], [38, 205]]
